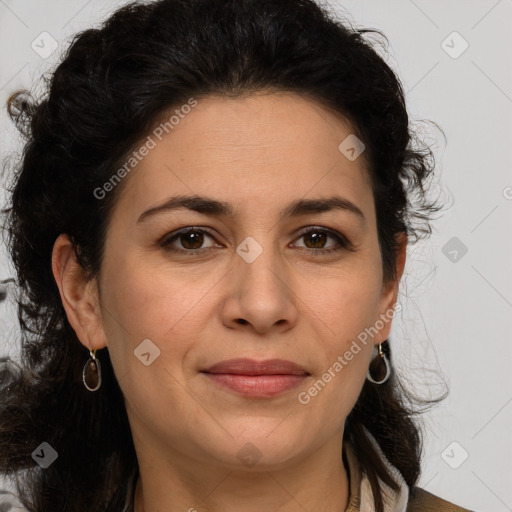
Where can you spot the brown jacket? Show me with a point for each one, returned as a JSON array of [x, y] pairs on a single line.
[[405, 500]]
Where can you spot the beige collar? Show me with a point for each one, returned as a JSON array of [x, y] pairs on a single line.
[[361, 496]]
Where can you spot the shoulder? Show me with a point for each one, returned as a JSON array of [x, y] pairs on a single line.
[[424, 501]]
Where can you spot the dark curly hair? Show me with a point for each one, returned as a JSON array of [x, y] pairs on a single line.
[[111, 87]]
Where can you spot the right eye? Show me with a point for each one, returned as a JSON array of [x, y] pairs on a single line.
[[191, 239]]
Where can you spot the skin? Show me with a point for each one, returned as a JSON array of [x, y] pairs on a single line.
[[258, 153]]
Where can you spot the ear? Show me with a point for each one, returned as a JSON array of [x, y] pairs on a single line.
[[390, 290], [79, 296]]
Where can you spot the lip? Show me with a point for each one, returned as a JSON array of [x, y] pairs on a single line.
[[259, 379], [252, 367]]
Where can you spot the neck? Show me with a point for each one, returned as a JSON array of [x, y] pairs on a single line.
[[318, 482]]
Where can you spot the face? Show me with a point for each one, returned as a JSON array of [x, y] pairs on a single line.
[[187, 288]]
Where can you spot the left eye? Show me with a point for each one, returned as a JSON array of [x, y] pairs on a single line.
[[192, 240], [319, 235]]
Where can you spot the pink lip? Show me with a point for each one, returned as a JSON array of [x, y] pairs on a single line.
[[257, 378]]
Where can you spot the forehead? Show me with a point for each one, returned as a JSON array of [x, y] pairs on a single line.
[[254, 148]]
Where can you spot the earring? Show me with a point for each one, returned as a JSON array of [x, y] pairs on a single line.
[[91, 374], [388, 368]]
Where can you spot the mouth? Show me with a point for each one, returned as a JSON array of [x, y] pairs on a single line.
[[258, 379]]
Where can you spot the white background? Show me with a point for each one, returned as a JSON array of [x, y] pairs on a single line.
[[457, 315]]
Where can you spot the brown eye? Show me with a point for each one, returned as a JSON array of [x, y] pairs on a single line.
[[190, 239], [316, 240]]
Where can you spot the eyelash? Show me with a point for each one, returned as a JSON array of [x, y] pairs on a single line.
[[342, 241]]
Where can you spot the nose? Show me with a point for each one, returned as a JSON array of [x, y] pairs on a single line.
[[261, 296]]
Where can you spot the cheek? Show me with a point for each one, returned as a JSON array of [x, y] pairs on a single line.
[[347, 301], [335, 389], [152, 318], [151, 323], [345, 308], [146, 302]]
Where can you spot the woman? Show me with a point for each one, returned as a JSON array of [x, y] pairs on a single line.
[[209, 227]]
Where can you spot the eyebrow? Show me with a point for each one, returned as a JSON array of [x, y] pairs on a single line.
[[213, 207]]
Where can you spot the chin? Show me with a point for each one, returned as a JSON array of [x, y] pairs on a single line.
[[261, 448]]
